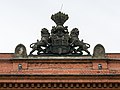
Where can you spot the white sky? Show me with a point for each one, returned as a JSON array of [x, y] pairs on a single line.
[[97, 20]]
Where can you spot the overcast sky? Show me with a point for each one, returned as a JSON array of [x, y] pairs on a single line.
[[97, 20]]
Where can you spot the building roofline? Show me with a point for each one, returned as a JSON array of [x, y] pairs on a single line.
[[59, 74]]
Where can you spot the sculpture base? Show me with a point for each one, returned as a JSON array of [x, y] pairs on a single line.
[[42, 54]]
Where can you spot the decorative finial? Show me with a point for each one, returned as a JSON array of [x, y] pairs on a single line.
[[61, 7], [59, 18]]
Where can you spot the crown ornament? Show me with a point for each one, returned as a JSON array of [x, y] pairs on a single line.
[[59, 18]]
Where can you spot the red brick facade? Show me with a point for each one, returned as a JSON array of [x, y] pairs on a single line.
[[63, 73]]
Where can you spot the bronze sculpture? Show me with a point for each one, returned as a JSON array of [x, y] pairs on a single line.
[[59, 42]]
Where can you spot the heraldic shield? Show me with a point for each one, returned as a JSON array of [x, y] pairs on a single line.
[[60, 45]]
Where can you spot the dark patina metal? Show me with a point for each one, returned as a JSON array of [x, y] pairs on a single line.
[[59, 41]]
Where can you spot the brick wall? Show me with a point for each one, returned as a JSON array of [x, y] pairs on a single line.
[[38, 66], [80, 66], [5, 66], [63, 74]]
